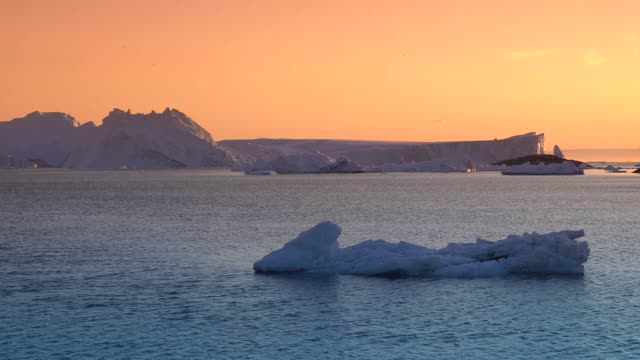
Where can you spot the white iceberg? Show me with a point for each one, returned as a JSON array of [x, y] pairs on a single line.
[[318, 250], [564, 168]]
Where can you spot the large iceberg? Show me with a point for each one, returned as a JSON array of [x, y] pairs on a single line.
[[170, 139], [378, 153], [318, 250]]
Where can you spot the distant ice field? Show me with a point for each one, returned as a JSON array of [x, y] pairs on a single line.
[[158, 264]]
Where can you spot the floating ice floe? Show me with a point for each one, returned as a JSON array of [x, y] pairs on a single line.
[[564, 168], [317, 250]]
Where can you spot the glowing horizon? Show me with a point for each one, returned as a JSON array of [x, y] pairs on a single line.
[[360, 70]]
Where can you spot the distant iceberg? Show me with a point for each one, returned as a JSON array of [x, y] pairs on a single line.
[[613, 169], [565, 168], [169, 139], [317, 250]]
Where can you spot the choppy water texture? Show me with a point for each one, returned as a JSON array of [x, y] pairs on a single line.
[[157, 264]]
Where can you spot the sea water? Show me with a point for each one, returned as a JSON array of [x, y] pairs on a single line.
[[158, 264]]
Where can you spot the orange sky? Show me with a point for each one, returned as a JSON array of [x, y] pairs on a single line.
[[359, 69]]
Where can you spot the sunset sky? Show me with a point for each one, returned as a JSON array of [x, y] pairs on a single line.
[[349, 69]]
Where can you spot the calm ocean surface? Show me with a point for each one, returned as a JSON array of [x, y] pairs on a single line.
[[158, 264]]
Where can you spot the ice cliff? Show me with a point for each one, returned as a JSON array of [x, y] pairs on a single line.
[[375, 156], [369, 153], [318, 250]]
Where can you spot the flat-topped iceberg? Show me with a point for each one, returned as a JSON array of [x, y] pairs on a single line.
[[376, 153], [564, 168], [318, 250]]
